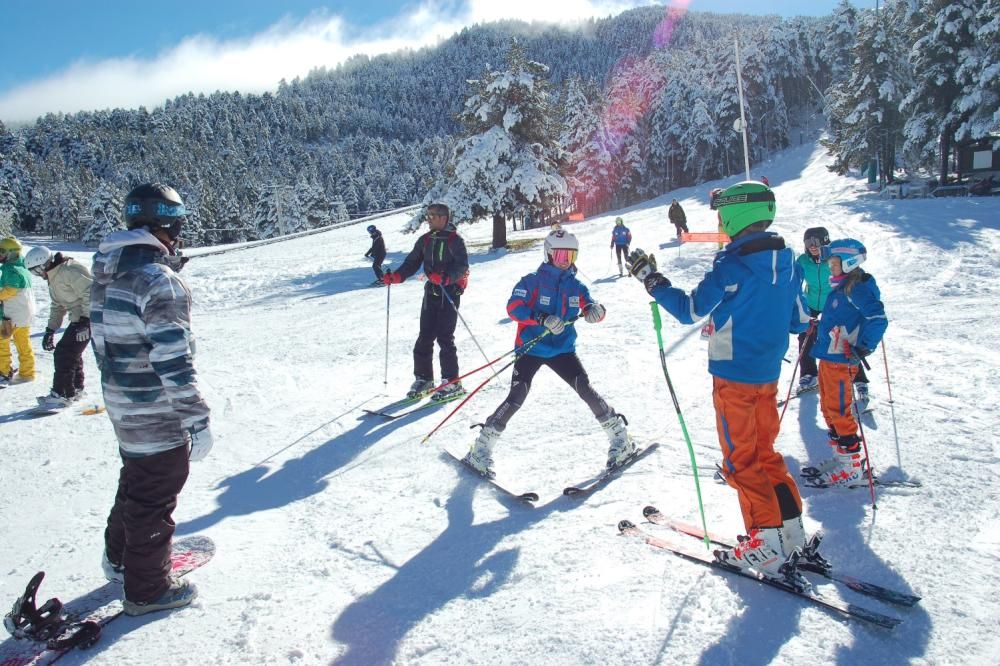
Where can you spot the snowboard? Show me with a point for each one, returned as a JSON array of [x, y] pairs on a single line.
[[103, 605]]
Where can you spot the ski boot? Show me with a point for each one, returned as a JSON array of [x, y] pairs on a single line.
[[480, 456], [621, 447], [419, 387], [448, 392]]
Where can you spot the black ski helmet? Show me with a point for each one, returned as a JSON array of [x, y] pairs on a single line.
[[372, 229], [154, 205], [818, 234]]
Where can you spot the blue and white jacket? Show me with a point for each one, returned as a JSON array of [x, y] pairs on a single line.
[[621, 235], [140, 314], [754, 296], [549, 290], [853, 315]]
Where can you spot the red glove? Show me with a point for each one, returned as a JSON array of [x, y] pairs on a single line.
[[438, 279], [392, 278]]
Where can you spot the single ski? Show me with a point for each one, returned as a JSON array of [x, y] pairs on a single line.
[[608, 474], [702, 556], [527, 497], [388, 414], [818, 483], [653, 515], [387, 411], [798, 394]]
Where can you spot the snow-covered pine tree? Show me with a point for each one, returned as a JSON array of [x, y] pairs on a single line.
[[979, 75], [507, 164], [864, 110], [942, 31], [105, 207], [265, 214], [838, 47]]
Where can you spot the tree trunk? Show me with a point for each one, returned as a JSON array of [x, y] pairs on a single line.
[[945, 150], [499, 231]]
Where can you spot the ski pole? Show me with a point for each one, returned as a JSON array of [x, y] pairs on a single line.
[[658, 325], [892, 406], [795, 370], [385, 378], [462, 319], [864, 443], [474, 391], [486, 365]]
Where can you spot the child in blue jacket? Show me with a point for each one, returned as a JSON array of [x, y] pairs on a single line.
[[850, 328], [545, 304], [621, 238]]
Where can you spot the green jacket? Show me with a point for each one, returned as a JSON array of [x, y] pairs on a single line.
[[816, 285], [16, 299]]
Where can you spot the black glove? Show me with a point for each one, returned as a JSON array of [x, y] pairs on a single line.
[[860, 352], [654, 280], [48, 340], [83, 329]]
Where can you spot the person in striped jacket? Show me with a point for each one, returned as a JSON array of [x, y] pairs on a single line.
[[140, 314]]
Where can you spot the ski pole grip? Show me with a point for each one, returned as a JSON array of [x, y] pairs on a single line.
[[657, 324]]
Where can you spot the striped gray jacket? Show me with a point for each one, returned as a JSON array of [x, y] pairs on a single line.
[[140, 315]]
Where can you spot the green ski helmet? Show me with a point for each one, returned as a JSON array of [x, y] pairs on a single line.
[[744, 204]]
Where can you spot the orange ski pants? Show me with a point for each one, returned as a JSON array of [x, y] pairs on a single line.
[[836, 386], [746, 416]]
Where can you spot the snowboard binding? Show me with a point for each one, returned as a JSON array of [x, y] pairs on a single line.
[[47, 624]]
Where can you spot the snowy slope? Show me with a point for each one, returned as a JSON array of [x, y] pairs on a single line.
[[343, 539]]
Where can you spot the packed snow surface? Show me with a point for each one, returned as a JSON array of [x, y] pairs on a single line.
[[343, 538]]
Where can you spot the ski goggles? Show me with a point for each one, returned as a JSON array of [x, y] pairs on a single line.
[[562, 256], [813, 242]]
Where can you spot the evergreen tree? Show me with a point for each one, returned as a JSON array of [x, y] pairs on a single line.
[[105, 208], [942, 31], [265, 214], [508, 163]]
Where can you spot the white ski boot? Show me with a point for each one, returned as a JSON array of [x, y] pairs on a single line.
[[620, 446], [848, 467], [763, 553], [480, 456], [448, 392], [806, 384]]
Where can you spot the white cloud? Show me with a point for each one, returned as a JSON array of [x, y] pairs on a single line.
[[203, 64]]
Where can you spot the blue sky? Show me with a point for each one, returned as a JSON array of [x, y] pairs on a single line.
[[71, 55]]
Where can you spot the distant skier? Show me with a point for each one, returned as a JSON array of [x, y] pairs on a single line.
[[677, 217], [69, 292], [141, 318], [753, 296], [545, 301], [17, 310], [816, 287], [376, 253], [441, 252], [850, 328], [621, 238]]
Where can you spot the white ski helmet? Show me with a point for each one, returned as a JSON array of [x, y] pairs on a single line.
[[37, 257], [559, 239]]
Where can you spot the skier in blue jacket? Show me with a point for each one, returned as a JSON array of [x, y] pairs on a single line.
[[621, 238], [545, 304], [850, 328]]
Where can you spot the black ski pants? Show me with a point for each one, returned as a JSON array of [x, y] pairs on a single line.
[[438, 319], [621, 250], [67, 380], [140, 525], [377, 266], [569, 369]]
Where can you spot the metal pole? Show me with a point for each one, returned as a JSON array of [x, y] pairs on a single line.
[[743, 117], [388, 292]]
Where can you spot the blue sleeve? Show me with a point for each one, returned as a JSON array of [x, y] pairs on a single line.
[[519, 303], [866, 298], [688, 309]]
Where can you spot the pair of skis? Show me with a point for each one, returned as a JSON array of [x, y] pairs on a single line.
[[695, 553], [579, 490]]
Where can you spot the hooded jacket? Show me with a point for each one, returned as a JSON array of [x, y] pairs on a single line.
[[853, 316], [69, 289], [441, 252], [17, 300], [754, 296], [816, 281], [547, 291], [140, 312]]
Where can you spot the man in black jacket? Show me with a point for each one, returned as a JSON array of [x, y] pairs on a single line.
[[376, 253], [441, 252], [677, 217]]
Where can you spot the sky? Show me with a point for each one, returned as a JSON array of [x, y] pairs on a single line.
[[67, 56], [344, 539]]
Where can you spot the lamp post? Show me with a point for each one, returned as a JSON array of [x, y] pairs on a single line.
[[743, 118]]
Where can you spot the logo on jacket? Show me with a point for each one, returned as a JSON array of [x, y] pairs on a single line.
[[544, 300]]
